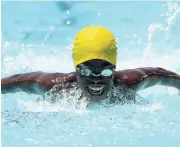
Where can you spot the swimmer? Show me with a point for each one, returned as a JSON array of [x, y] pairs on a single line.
[[94, 54]]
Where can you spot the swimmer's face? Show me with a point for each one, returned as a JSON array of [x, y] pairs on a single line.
[[95, 77]]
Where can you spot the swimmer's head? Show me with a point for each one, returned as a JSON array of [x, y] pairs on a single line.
[[94, 55]]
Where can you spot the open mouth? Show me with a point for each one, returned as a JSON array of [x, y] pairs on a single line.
[[96, 90]]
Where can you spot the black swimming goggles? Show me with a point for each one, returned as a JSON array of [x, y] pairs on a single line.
[[86, 71]]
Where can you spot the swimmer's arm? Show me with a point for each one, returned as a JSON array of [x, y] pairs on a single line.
[[35, 82], [141, 78]]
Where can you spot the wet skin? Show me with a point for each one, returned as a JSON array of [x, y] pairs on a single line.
[[96, 87], [134, 79]]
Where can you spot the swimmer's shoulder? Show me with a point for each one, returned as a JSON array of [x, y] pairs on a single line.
[[58, 77], [128, 77], [48, 80], [123, 76]]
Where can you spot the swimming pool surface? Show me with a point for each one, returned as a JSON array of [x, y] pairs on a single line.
[[37, 36]]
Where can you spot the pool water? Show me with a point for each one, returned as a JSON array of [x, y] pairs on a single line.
[[38, 36]]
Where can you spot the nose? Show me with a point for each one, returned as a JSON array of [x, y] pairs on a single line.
[[96, 81]]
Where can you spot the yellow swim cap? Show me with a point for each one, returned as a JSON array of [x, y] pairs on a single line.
[[94, 42]]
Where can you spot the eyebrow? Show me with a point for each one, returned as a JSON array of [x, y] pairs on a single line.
[[103, 64], [96, 68]]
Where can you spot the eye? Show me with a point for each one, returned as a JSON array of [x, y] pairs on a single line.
[[107, 72], [85, 72]]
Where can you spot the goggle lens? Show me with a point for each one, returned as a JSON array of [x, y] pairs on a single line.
[[106, 72], [88, 72]]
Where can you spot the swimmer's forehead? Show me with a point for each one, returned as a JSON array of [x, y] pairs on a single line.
[[97, 63]]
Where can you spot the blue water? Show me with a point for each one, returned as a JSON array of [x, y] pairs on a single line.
[[37, 36]]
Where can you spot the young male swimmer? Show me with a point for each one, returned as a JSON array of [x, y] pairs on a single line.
[[94, 55]]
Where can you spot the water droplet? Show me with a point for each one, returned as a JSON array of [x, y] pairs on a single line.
[[68, 22]]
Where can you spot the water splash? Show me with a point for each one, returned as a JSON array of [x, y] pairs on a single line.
[[172, 16], [70, 98]]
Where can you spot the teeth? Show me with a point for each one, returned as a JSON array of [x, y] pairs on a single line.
[[96, 90]]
